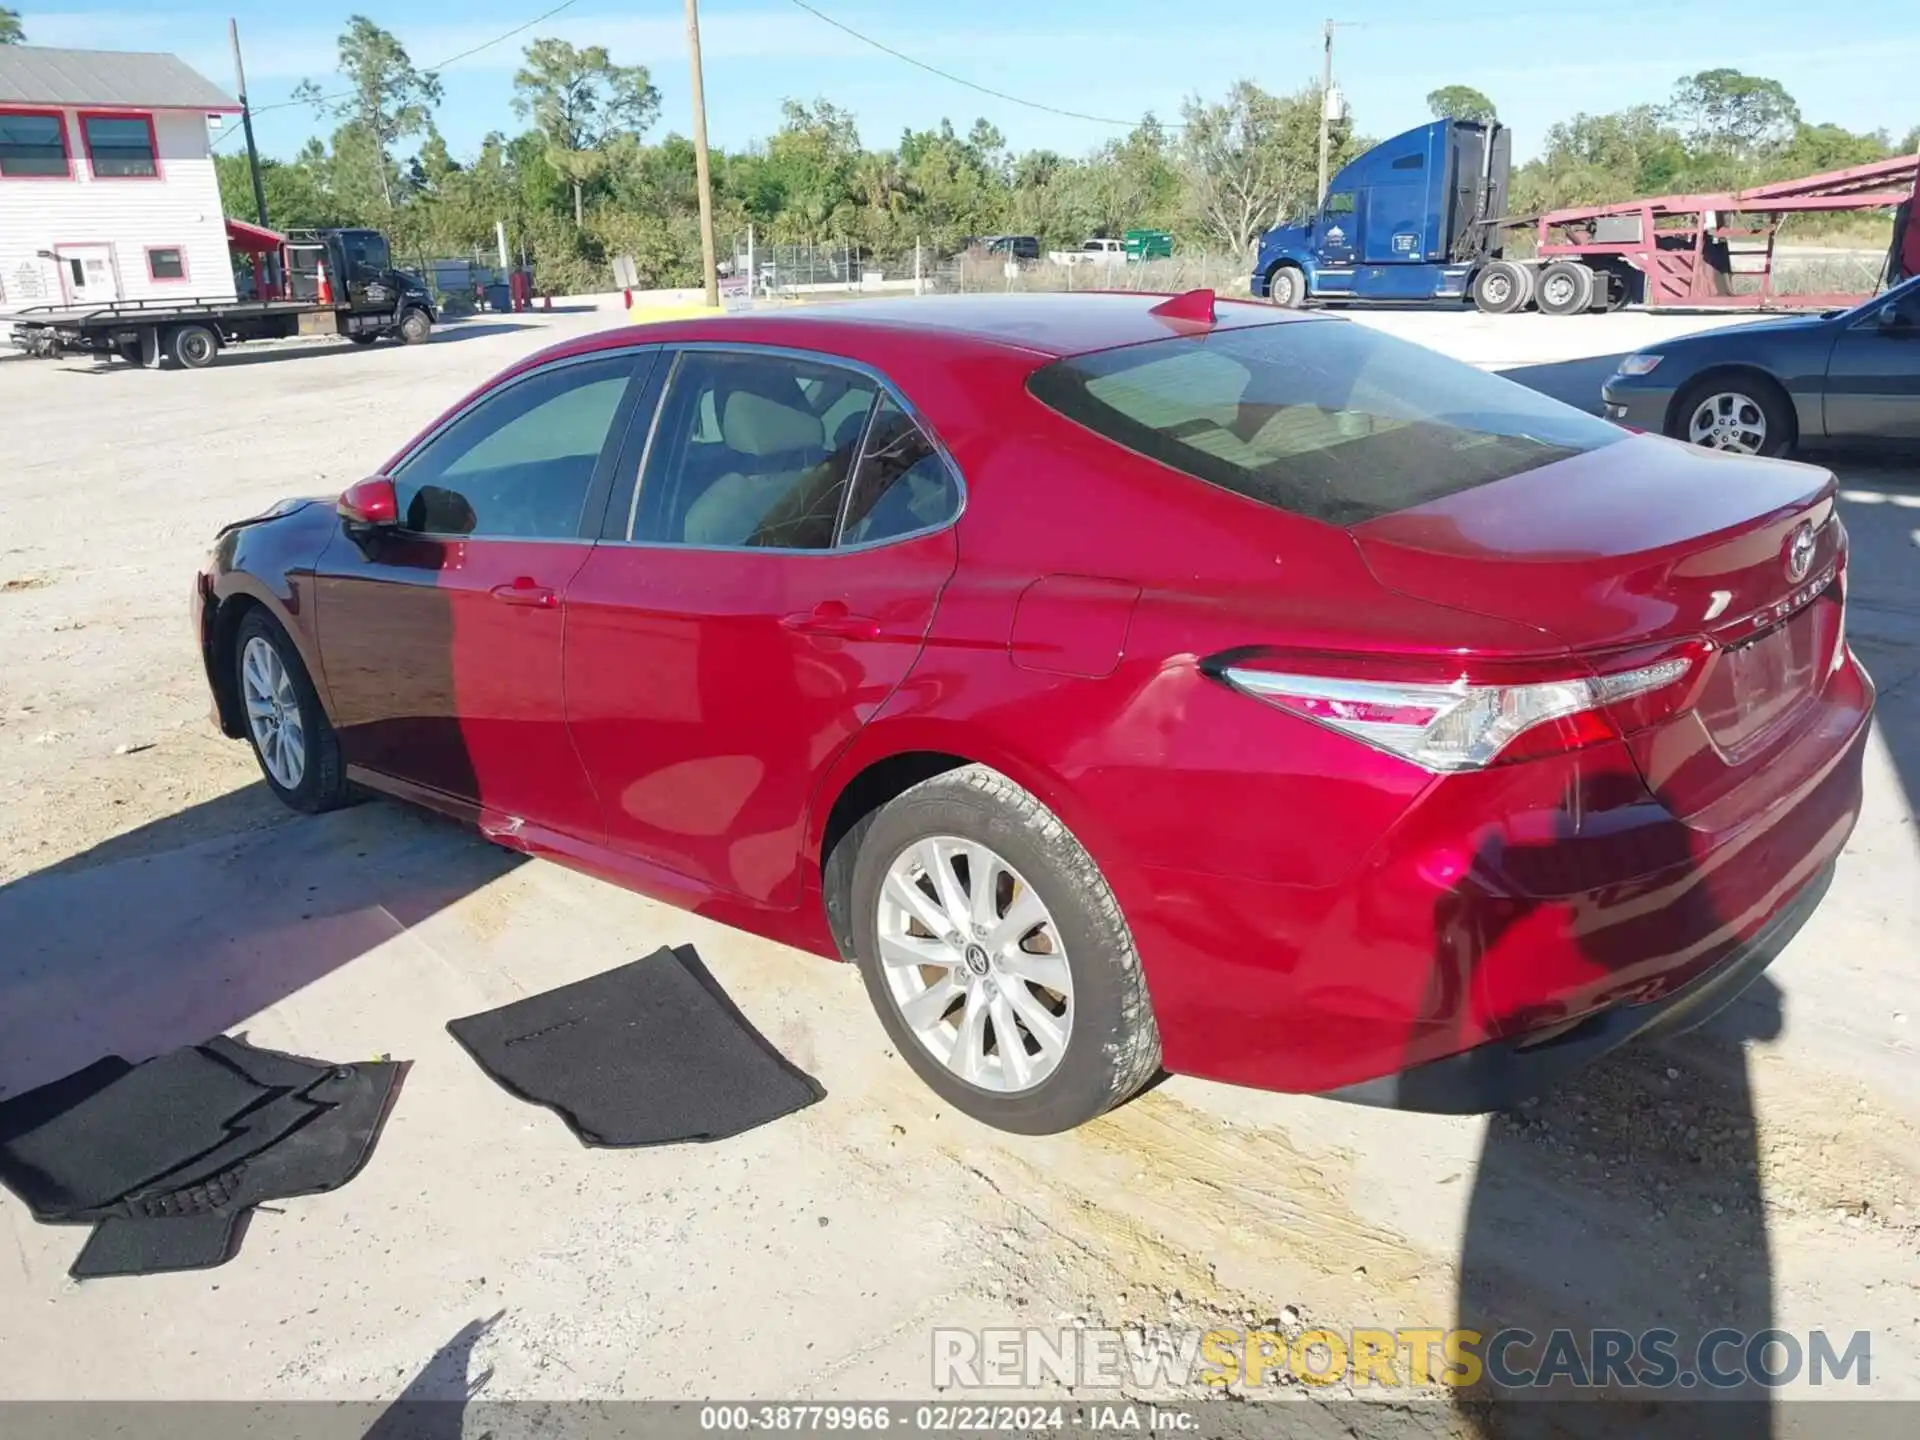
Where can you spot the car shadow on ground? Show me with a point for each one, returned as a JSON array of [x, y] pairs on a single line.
[[191, 925]]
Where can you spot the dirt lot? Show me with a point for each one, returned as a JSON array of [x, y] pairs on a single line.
[[1759, 1175]]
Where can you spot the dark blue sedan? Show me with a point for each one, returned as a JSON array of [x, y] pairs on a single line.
[[1842, 379]]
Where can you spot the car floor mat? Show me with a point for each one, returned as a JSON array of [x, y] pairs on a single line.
[[650, 1053], [157, 1247], [85, 1141]]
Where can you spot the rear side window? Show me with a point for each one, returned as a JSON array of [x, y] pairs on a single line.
[[1327, 419]]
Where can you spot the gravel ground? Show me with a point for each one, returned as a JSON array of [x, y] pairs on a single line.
[[1760, 1174]]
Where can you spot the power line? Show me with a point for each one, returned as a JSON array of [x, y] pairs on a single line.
[[431, 69], [970, 84]]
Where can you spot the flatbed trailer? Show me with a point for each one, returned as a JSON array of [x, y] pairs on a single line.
[[191, 333], [372, 300]]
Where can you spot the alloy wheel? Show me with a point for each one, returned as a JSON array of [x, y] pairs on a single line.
[[976, 964], [273, 713], [1729, 421]]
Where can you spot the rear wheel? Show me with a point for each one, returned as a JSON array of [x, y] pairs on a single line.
[[415, 327], [1502, 288], [1287, 287], [1741, 414], [193, 346], [1565, 288], [997, 957], [293, 740]]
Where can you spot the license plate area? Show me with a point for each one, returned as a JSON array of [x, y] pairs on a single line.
[[1757, 685]]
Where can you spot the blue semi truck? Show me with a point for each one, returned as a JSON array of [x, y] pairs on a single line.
[[1418, 217]]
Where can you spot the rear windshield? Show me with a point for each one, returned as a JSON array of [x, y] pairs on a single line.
[[1327, 419]]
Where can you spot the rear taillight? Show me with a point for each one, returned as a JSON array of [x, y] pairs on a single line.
[[1471, 721]]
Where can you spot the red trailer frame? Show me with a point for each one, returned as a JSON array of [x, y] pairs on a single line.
[[1679, 242]]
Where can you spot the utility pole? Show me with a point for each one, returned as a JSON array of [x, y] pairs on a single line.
[[702, 172], [246, 123], [1326, 90]]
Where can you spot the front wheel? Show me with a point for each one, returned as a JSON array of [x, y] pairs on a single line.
[[997, 957], [415, 327], [292, 738], [1741, 414], [1287, 287]]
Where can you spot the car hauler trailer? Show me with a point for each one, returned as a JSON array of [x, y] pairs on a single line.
[[312, 282], [1422, 217]]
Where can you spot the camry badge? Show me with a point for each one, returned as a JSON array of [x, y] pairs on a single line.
[[1799, 552]]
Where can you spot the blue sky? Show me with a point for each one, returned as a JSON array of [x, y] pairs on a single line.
[[1102, 57]]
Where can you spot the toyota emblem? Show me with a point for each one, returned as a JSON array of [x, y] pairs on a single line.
[[1799, 552]]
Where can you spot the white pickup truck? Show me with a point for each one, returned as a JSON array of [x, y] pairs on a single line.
[[1094, 252]]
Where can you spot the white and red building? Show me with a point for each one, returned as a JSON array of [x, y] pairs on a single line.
[[107, 184]]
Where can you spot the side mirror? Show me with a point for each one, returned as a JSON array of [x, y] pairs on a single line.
[[370, 502]]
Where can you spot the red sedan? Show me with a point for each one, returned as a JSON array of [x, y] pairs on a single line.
[[1121, 682]]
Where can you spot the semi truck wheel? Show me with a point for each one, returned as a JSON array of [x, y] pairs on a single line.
[[1502, 288], [192, 346], [363, 337], [1566, 288], [415, 327], [1287, 287]]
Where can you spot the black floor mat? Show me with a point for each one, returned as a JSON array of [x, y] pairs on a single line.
[[648, 1054], [186, 1174]]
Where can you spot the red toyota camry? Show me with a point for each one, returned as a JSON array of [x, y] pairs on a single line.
[[1120, 681]]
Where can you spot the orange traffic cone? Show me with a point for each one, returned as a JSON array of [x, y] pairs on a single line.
[[326, 286]]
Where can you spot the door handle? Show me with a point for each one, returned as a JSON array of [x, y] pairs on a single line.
[[832, 619], [525, 591]]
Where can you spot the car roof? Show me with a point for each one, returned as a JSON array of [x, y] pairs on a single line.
[[1038, 326]]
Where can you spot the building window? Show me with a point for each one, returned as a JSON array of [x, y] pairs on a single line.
[[167, 262], [33, 145], [121, 147]]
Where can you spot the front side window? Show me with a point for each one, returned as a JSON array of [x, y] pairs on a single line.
[[33, 146], [1322, 418], [120, 147], [752, 451], [901, 486], [519, 464], [1339, 203]]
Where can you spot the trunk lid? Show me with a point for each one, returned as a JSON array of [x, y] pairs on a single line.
[[1644, 543]]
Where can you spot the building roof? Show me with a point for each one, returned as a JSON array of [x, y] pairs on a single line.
[[37, 75]]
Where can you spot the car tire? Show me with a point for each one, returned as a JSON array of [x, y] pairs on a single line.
[[1564, 287], [1752, 415], [1287, 287], [193, 347], [1502, 287], [314, 780], [1076, 962], [415, 327]]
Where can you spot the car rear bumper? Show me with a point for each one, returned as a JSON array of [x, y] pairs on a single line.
[[1502, 1073], [1505, 909]]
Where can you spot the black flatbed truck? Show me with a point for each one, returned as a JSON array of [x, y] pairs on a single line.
[[372, 300]]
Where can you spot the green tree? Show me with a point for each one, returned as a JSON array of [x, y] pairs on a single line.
[[1252, 157], [1737, 114], [1460, 102], [388, 100], [580, 101], [11, 32]]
